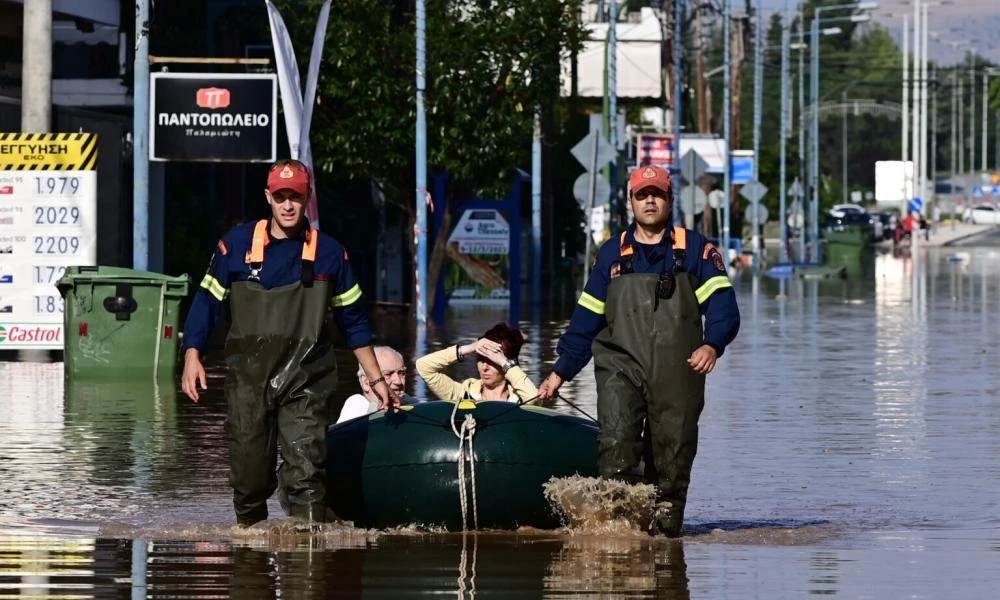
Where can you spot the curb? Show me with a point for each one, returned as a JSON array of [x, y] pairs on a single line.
[[967, 237]]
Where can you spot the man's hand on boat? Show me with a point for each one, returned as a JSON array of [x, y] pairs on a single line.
[[550, 387], [194, 374]]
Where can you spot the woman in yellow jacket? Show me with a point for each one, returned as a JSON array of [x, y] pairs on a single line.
[[500, 377]]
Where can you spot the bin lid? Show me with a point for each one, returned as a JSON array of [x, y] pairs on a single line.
[[76, 273], [80, 274]]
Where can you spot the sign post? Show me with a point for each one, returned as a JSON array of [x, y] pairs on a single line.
[[593, 152], [48, 221]]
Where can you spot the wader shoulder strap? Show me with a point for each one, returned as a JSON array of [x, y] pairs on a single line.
[[309, 256], [257, 245], [626, 251]]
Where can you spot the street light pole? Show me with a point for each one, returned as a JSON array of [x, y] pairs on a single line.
[[783, 251], [727, 101], [803, 176], [421, 167], [906, 112], [758, 68]]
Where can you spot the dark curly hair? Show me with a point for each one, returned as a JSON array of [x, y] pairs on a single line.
[[508, 337]]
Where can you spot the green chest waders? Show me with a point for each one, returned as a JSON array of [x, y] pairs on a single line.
[[649, 398], [282, 374]]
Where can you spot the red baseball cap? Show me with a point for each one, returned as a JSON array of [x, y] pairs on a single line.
[[289, 175], [651, 176]]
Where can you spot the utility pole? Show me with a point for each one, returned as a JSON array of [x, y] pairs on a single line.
[[421, 166], [699, 65], [36, 70], [934, 130], [140, 139], [961, 125], [926, 192], [783, 251], [678, 103], [954, 138], [986, 94], [727, 122], [915, 114], [972, 112], [906, 113], [803, 177], [758, 74]]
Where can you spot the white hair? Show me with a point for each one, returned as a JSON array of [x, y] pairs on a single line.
[[378, 349]]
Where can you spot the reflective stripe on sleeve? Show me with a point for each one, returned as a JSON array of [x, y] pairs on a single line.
[[711, 286], [590, 303], [212, 285], [347, 298]]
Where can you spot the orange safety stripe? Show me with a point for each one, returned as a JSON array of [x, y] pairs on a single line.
[[309, 248], [626, 248], [260, 240], [680, 238]]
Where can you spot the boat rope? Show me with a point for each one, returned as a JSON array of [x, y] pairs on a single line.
[[584, 413], [464, 574], [466, 454]]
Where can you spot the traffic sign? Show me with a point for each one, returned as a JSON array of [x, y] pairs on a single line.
[[693, 166], [978, 192], [753, 191], [716, 198], [916, 205], [693, 200], [796, 190], [583, 151], [581, 189], [762, 214], [995, 191]]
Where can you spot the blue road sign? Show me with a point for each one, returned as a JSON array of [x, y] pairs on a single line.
[[995, 191], [978, 192], [916, 205], [742, 169]]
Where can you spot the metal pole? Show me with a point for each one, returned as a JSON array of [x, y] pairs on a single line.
[[906, 113], [961, 126], [421, 150], [954, 146], [727, 101], [843, 144], [783, 251], [678, 103], [803, 176], [926, 192], [915, 112], [612, 116], [590, 206], [986, 94], [536, 210], [758, 74], [972, 112], [140, 140], [933, 157], [36, 72], [814, 98]]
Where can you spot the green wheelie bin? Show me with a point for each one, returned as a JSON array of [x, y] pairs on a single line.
[[120, 323]]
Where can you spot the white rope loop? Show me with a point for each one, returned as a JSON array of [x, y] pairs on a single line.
[[465, 435]]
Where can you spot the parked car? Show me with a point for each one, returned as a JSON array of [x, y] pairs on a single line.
[[837, 209], [982, 215]]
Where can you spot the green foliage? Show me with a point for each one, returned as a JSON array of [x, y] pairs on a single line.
[[489, 63]]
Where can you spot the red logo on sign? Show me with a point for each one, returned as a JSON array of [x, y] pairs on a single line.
[[213, 97], [6, 189]]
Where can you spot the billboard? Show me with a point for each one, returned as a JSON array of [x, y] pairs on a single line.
[[479, 246], [658, 149], [48, 221], [213, 117]]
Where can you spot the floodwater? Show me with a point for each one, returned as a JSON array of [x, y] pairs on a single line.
[[850, 447]]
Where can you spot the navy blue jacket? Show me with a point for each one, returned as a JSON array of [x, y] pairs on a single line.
[[282, 266], [714, 291]]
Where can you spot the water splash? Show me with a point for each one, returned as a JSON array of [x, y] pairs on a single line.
[[594, 505]]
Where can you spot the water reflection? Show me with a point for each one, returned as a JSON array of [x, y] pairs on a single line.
[[849, 446]]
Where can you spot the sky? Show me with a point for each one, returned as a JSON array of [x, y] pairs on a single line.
[[977, 21]]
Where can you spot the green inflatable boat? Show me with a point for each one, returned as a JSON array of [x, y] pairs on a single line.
[[404, 468]]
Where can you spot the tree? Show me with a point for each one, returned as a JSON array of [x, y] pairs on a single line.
[[489, 64]]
